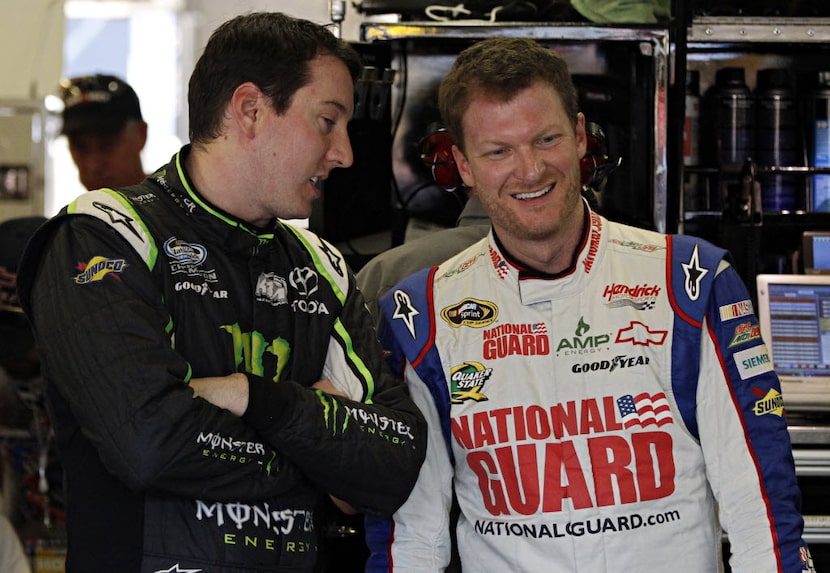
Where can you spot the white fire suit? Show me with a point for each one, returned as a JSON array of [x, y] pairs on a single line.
[[592, 421]]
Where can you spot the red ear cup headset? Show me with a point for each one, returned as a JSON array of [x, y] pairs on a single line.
[[436, 155], [595, 166]]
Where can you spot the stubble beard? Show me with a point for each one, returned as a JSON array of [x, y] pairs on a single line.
[[541, 231]]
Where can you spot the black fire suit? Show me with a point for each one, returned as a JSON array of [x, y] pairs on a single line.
[[134, 292]]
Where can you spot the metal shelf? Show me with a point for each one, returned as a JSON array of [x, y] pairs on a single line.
[[22, 146], [770, 30], [811, 462], [817, 529], [648, 41], [475, 29], [806, 434]]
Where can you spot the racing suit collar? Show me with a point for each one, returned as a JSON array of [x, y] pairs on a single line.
[[536, 286], [234, 232]]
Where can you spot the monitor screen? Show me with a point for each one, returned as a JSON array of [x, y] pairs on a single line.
[[815, 250], [794, 315]]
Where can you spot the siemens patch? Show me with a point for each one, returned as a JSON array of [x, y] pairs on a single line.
[[753, 361]]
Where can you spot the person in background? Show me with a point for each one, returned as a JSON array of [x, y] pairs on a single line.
[[22, 402], [18, 354], [212, 372], [388, 268], [106, 132], [19, 381], [597, 396]]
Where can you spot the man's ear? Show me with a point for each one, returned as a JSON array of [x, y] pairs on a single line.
[[142, 133], [245, 107], [581, 135], [463, 167]]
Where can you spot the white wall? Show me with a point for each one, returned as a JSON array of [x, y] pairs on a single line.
[[31, 36], [211, 13], [32, 60]]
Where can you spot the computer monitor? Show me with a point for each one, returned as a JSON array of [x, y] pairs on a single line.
[[815, 252], [794, 314]]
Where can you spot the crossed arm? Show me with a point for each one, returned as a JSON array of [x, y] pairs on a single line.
[[231, 393]]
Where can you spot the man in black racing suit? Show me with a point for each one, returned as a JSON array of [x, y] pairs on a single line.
[[155, 303]]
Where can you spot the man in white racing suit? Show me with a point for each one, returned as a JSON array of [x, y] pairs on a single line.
[[598, 396]]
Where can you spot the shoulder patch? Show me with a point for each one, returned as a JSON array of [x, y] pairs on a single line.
[[116, 211], [407, 311], [328, 260], [693, 265]]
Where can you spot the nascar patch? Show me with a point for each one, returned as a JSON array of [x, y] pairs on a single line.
[[735, 310]]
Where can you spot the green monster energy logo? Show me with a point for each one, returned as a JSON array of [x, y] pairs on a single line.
[[250, 347]]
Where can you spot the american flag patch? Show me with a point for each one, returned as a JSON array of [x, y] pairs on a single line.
[[501, 266], [644, 410]]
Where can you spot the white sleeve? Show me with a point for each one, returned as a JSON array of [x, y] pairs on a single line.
[[421, 536], [336, 371], [732, 471]]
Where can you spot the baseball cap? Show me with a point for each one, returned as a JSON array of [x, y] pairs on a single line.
[[97, 103]]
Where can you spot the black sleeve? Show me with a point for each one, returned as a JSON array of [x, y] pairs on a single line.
[[367, 452], [106, 346]]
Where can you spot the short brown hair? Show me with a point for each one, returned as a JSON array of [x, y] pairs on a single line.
[[270, 49], [502, 67]]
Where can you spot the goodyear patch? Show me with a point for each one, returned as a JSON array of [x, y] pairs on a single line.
[[753, 361], [97, 268]]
